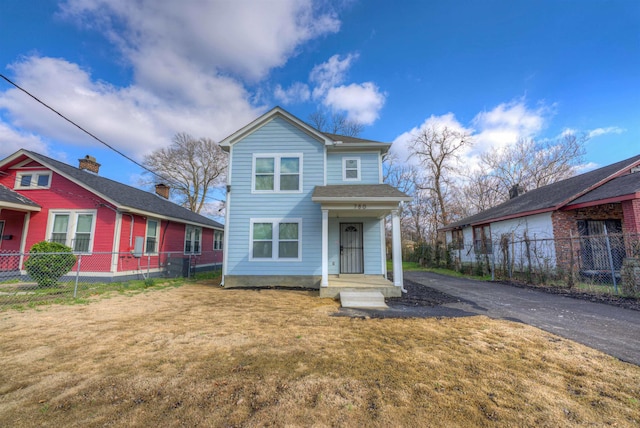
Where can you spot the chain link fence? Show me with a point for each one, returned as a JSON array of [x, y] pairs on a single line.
[[27, 279], [608, 263]]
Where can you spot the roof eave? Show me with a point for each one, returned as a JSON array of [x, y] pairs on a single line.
[[19, 207], [126, 209], [346, 199]]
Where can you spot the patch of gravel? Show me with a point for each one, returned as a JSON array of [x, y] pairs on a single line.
[[421, 295]]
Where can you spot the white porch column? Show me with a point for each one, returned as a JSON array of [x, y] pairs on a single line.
[[325, 248], [396, 248]]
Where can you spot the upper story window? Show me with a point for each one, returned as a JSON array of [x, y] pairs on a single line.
[[482, 239], [74, 229], [217, 239], [151, 241], [33, 180], [351, 169], [277, 173], [192, 239]]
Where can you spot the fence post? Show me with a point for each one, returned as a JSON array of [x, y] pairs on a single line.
[[75, 288], [613, 272], [149, 262]]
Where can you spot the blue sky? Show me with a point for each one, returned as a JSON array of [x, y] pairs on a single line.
[[136, 73]]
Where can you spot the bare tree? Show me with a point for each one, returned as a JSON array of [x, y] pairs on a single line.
[[192, 166], [337, 123], [437, 150], [532, 164]]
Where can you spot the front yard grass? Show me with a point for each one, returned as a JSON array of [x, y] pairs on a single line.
[[199, 355]]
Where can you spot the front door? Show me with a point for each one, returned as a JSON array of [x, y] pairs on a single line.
[[351, 252]]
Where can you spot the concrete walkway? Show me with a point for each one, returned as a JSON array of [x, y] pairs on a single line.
[[613, 330]]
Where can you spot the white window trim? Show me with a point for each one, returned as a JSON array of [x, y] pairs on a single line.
[[146, 236], [184, 241], [275, 239], [34, 180], [344, 169], [276, 172], [2, 224], [72, 229], [221, 246]]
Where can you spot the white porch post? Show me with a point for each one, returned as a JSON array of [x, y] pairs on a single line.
[[325, 248], [397, 248]]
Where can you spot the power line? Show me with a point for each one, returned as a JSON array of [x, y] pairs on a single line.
[[78, 126], [170, 181]]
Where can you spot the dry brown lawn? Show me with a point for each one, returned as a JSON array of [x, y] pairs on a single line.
[[199, 355]]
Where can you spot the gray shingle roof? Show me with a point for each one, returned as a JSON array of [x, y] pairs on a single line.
[[8, 195], [347, 139], [548, 197], [351, 191], [620, 186], [126, 196]]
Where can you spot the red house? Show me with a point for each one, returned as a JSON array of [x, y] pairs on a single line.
[[116, 230]]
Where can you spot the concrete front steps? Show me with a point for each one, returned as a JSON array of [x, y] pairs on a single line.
[[362, 299]]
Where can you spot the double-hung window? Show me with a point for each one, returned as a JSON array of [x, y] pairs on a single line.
[[275, 239], [351, 169], [277, 173], [151, 241], [457, 239], [217, 239], [192, 239], [33, 180], [73, 229], [482, 239]]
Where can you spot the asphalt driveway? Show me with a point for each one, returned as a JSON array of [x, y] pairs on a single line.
[[613, 330]]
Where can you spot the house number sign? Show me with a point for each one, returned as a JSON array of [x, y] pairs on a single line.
[[360, 206]]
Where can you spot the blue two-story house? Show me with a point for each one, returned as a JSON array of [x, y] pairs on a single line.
[[308, 209]]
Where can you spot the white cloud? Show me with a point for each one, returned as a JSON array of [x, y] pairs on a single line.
[[330, 74], [297, 92], [190, 64], [489, 130], [361, 102], [602, 131], [506, 123], [245, 39], [12, 140]]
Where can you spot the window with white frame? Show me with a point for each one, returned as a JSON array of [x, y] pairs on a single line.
[[275, 239], [277, 173], [351, 169], [217, 239], [192, 238], [151, 240], [74, 229], [33, 180]]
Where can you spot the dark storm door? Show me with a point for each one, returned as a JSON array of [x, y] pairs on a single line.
[[351, 248]]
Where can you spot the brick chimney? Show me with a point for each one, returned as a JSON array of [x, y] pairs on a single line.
[[89, 163], [162, 190]]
